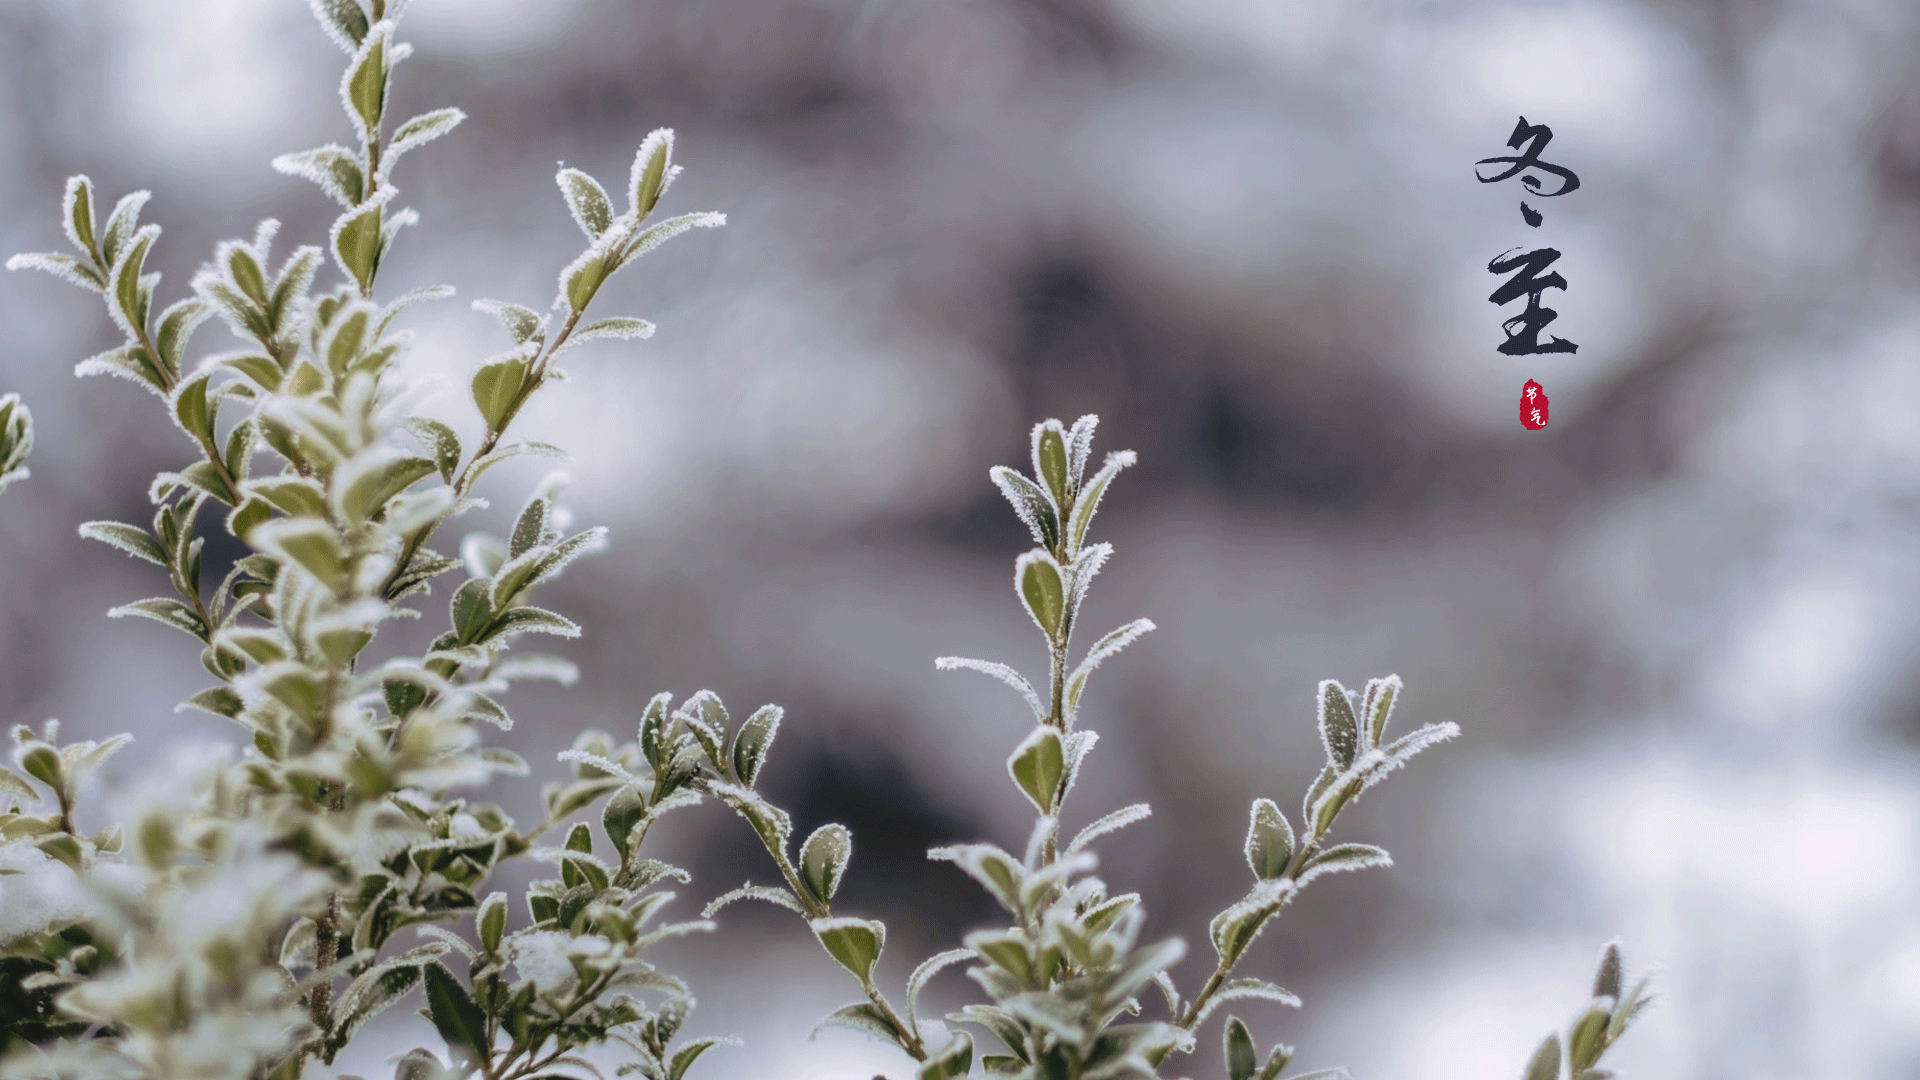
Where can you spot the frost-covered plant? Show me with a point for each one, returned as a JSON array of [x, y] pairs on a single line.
[[253, 926], [254, 931], [1064, 979], [16, 440], [1613, 1008]]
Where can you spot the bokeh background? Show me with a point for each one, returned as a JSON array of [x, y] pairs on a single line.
[[1677, 627]]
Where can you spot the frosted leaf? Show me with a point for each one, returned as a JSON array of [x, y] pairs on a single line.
[[1339, 729], [364, 83], [1078, 745], [1049, 441], [65, 267], [356, 237], [1380, 763], [1039, 582], [1080, 447], [1111, 823], [655, 235], [999, 671], [131, 539], [1241, 989], [776, 897], [1165, 982], [586, 201], [927, 970], [1088, 502], [1001, 874], [606, 765], [1031, 502], [76, 213], [652, 172], [523, 323], [406, 300], [1343, 857], [334, 168], [1086, 567], [620, 328], [345, 21], [1103, 649], [418, 132], [1376, 707]]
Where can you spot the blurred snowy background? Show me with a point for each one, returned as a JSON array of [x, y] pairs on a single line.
[[1677, 627]]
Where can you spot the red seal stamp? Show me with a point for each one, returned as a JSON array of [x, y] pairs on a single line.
[[1533, 406]]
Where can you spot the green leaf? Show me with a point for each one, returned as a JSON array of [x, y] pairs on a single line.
[[177, 324], [1236, 928], [1242, 989], [1377, 706], [1277, 1060], [121, 225], [364, 85], [1038, 764], [77, 213], [1088, 501], [1050, 461], [218, 700], [491, 921], [1009, 950], [752, 741], [130, 362], [1545, 1063], [1041, 585], [1587, 1039], [65, 267], [1343, 857], [419, 131], [12, 783], [131, 539], [776, 897], [855, 943], [582, 277], [523, 323], [263, 370], [686, 1055], [345, 21], [823, 860], [364, 491], [471, 610], [129, 306], [531, 620], [1242, 1058], [364, 1001], [334, 168], [441, 440], [652, 171], [586, 201], [1339, 730], [164, 610], [455, 1016], [190, 408], [1031, 502], [357, 239], [620, 328], [1269, 841], [291, 494], [863, 1017], [497, 387], [308, 543]]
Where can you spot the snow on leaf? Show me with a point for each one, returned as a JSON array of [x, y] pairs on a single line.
[[999, 671]]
